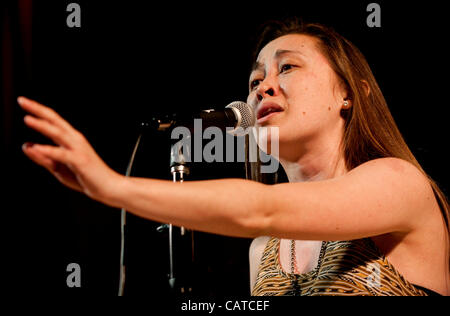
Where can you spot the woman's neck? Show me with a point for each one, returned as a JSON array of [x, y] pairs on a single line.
[[322, 163]]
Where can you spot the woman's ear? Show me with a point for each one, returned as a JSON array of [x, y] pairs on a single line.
[[366, 87]]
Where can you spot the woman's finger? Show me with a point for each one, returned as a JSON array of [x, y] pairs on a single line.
[[60, 171], [55, 133], [43, 112], [55, 153], [38, 157]]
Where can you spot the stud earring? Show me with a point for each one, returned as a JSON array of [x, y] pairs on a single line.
[[346, 103]]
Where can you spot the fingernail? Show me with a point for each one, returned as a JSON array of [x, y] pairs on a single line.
[[21, 100], [27, 145]]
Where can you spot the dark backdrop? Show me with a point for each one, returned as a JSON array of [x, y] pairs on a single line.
[[134, 59]]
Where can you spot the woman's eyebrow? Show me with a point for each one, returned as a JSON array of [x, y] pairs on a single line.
[[281, 52], [257, 66]]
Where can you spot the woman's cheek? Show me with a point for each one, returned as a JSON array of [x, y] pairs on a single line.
[[251, 100]]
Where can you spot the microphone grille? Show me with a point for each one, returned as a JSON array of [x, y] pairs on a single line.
[[246, 115]]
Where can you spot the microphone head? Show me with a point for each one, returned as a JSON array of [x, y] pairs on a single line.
[[245, 116]]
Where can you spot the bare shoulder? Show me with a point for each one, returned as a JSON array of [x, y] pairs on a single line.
[[402, 178], [392, 166], [419, 255], [394, 170]]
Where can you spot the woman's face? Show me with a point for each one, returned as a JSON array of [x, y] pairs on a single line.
[[294, 82]]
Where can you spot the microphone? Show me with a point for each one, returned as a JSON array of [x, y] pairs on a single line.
[[237, 115]]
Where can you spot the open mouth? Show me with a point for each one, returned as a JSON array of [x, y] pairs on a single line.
[[268, 111]]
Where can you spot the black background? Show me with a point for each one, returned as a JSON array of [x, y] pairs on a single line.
[[131, 60]]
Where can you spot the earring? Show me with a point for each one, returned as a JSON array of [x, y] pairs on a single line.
[[346, 103]]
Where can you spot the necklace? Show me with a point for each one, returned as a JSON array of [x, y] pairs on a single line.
[[293, 259], [294, 278]]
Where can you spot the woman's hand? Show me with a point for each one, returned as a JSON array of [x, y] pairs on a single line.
[[72, 161]]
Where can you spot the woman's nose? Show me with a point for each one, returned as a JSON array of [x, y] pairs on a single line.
[[265, 89]]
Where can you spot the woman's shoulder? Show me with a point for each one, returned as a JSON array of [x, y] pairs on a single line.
[[394, 166], [400, 180], [398, 174], [429, 236]]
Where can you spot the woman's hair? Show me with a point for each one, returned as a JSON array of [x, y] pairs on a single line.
[[370, 130]]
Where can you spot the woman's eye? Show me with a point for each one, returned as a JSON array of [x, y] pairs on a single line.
[[286, 67], [254, 83]]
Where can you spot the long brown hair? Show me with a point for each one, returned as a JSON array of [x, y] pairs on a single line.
[[370, 130]]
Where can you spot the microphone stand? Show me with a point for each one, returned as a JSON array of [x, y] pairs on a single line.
[[179, 169]]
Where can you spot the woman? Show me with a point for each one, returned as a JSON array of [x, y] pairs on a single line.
[[359, 216]]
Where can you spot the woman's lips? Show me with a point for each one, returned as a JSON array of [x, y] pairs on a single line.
[[267, 110], [267, 117]]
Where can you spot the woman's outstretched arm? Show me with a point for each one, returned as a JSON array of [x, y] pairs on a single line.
[[232, 207], [378, 197], [217, 206]]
